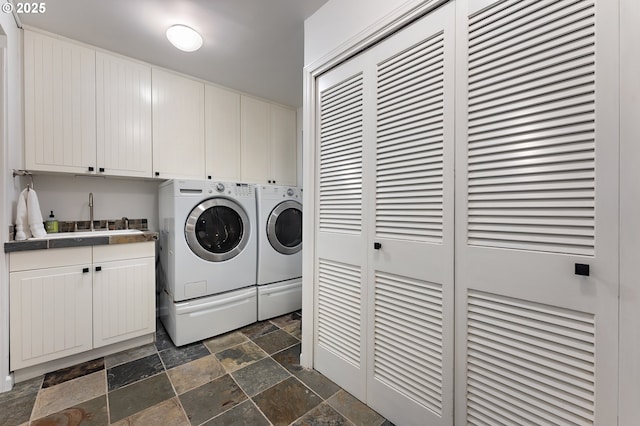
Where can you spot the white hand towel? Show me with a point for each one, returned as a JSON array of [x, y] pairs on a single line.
[[22, 221], [35, 215]]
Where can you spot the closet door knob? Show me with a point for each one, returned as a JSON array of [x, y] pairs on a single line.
[[582, 269], [377, 246]]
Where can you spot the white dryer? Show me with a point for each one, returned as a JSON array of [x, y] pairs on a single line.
[[208, 256], [279, 276]]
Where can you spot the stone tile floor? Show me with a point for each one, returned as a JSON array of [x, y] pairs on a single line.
[[250, 377]]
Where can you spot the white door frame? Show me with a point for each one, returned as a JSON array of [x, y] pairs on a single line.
[[629, 338], [6, 380]]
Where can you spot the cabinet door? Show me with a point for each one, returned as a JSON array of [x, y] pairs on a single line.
[[59, 105], [123, 95], [178, 126], [50, 315], [255, 140], [283, 146], [123, 300], [222, 133]]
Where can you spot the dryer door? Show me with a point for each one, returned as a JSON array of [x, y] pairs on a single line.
[[284, 227], [217, 229]]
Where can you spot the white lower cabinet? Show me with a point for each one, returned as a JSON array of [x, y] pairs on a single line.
[[71, 300], [49, 312], [123, 293]]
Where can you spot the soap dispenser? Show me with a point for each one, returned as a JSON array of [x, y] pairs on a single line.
[[51, 225]]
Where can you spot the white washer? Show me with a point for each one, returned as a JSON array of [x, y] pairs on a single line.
[[208, 256], [279, 250]]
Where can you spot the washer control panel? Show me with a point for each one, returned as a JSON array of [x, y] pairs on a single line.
[[243, 190], [231, 189]]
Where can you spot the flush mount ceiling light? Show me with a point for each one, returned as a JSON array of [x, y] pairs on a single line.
[[184, 38]]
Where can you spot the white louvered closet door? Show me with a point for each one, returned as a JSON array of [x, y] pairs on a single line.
[[536, 195], [410, 296], [384, 284], [341, 239]]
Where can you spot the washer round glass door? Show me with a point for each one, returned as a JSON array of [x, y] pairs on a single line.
[[284, 227], [217, 229]]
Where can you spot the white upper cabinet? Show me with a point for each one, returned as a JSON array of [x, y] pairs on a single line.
[[268, 142], [255, 140], [178, 126], [123, 115], [222, 133], [283, 156], [59, 105], [92, 112]]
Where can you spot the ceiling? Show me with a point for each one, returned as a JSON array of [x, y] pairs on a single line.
[[253, 46]]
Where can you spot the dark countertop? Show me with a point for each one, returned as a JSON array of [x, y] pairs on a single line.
[[75, 241]]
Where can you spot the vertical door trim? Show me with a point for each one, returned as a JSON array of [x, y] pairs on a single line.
[[629, 339]]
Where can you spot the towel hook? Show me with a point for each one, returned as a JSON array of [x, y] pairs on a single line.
[[25, 173]]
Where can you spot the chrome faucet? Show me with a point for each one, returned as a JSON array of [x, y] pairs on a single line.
[[126, 222], [91, 211]]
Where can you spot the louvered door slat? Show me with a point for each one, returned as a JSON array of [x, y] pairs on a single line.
[[501, 154], [341, 156], [575, 31], [526, 67], [415, 71], [540, 373], [532, 93], [541, 74], [339, 309], [516, 27], [531, 339], [408, 326]]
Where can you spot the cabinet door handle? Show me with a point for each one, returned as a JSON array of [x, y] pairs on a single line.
[[85, 270], [157, 173], [101, 169], [377, 246], [90, 168], [98, 268]]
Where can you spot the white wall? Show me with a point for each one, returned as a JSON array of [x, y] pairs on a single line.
[[340, 21], [68, 197], [11, 157]]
